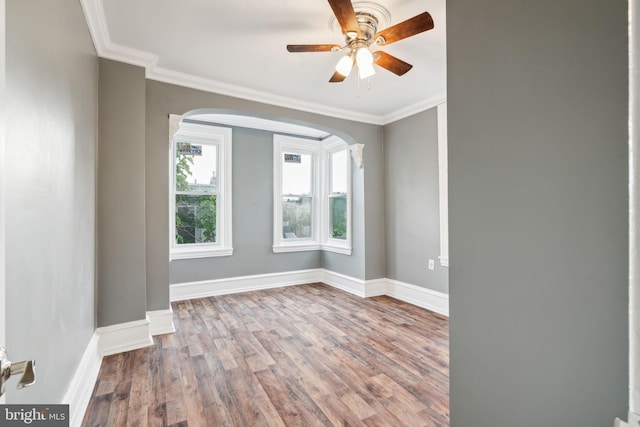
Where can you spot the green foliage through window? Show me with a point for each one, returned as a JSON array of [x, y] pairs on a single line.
[[296, 217], [195, 213], [338, 217]]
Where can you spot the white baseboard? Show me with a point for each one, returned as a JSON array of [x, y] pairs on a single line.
[[124, 337], [346, 283], [634, 420], [161, 322], [416, 295], [232, 285], [376, 287], [79, 391]]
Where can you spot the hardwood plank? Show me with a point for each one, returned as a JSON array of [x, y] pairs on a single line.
[[306, 355]]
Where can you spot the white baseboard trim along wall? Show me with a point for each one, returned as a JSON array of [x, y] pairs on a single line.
[[79, 391], [138, 334], [124, 337], [416, 295], [161, 322], [233, 285], [634, 420]]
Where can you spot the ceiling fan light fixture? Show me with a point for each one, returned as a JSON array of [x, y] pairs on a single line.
[[344, 65], [364, 57], [365, 70]]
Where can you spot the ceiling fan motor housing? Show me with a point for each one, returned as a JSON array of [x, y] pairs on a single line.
[[370, 16]]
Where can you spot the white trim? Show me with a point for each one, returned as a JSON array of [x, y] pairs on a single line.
[[97, 23], [124, 337], [81, 387], [346, 283], [94, 15], [634, 421], [336, 249], [209, 85], [161, 322], [232, 285], [416, 295], [443, 184], [3, 169], [634, 213], [174, 127], [296, 246], [412, 109], [376, 287], [198, 251]]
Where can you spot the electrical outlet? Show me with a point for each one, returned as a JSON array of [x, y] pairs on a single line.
[[432, 264]]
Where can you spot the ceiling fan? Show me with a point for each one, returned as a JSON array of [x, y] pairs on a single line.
[[359, 24]]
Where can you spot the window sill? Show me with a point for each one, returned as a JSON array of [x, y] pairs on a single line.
[[198, 252], [296, 248], [344, 250], [311, 247]]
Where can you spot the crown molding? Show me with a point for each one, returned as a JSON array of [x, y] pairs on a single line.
[[96, 21], [188, 80], [416, 108]]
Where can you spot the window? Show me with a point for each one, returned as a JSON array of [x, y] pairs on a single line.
[[312, 204], [297, 196], [201, 192], [338, 211]]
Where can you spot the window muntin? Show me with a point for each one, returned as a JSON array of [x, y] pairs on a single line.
[[200, 192]]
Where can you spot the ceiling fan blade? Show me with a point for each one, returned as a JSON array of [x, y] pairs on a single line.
[[337, 78], [346, 16], [391, 63], [408, 28], [312, 47]]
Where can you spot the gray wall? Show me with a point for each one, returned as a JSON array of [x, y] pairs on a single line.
[[52, 83], [537, 110], [252, 253], [412, 215], [374, 209], [121, 194]]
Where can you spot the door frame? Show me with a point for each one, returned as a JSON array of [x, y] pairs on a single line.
[[3, 133]]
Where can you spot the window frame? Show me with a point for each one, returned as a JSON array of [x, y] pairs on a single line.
[[321, 184], [282, 144], [221, 137], [331, 146]]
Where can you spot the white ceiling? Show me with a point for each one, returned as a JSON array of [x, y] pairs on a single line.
[[238, 48]]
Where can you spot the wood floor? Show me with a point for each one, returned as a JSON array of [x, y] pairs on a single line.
[[306, 355]]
